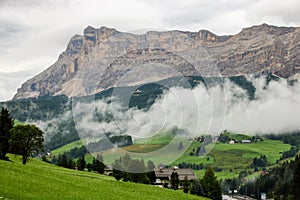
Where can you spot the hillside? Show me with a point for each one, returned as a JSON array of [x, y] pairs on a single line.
[[103, 58], [40, 180], [228, 160]]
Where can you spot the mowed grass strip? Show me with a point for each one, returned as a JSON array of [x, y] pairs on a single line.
[[143, 148], [40, 180]]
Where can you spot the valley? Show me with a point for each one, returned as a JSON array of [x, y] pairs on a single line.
[[158, 115], [228, 160]]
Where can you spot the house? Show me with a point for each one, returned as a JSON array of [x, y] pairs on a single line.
[[163, 175], [231, 142], [246, 141], [108, 170]]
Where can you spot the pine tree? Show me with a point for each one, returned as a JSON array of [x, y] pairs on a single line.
[[98, 165], [174, 180], [118, 170], [211, 185], [6, 123], [197, 188], [80, 163], [150, 169], [186, 185]]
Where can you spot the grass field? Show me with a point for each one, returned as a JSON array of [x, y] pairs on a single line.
[[194, 159], [111, 155], [142, 148], [40, 180], [160, 138], [232, 159], [270, 148], [219, 175]]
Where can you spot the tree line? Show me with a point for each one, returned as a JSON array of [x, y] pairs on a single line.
[[66, 161]]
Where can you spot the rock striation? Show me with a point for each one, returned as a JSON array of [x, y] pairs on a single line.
[[104, 57]]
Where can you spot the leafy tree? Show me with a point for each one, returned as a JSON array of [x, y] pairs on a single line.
[[25, 139], [211, 185], [197, 188], [6, 123], [80, 163], [174, 180], [186, 185], [260, 162]]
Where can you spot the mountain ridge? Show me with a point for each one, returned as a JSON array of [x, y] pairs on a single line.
[[103, 57]]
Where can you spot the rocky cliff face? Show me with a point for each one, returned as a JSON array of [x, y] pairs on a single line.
[[103, 58]]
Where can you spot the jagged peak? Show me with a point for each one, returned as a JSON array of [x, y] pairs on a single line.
[[206, 32], [75, 37], [105, 28], [88, 28], [101, 29], [271, 29]]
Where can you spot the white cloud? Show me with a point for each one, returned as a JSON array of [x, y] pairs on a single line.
[[276, 109]]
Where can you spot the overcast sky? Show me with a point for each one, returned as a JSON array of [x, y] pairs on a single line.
[[34, 32]]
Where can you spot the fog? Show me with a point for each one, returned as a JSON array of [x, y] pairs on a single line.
[[275, 109]]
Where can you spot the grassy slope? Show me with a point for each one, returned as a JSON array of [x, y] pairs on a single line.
[[194, 159], [67, 147], [238, 157], [39, 180], [270, 148]]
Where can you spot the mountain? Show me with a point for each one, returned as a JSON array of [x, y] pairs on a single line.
[[104, 58]]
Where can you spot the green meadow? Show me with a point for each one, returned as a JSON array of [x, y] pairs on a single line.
[[231, 159], [40, 180]]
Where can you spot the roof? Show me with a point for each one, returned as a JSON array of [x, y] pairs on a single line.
[[246, 141], [166, 173], [108, 167]]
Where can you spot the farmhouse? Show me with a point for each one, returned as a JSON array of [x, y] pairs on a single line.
[[231, 142], [163, 175], [108, 170], [246, 141]]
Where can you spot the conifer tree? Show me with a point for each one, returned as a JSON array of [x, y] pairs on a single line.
[[6, 123], [211, 185]]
